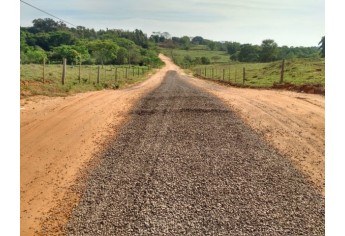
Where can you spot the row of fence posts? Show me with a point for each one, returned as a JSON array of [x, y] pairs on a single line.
[[198, 72], [64, 64]]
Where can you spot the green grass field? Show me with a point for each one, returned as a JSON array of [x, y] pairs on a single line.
[[194, 52], [296, 71], [31, 78]]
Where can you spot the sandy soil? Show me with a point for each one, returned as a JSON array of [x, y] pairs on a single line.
[[60, 135]]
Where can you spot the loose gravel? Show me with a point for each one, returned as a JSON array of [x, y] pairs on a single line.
[[187, 165]]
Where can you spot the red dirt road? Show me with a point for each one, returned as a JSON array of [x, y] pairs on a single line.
[[60, 135]]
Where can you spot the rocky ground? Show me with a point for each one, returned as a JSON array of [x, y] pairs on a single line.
[[186, 164], [63, 140]]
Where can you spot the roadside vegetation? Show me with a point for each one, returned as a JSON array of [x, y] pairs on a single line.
[[268, 74], [110, 77], [227, 61], [127, 57], [44, 45]]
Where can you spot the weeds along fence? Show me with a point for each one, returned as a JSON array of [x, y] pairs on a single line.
[[295, 72], [98, 75]]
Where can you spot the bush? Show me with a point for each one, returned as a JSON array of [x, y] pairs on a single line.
[[205, 60]]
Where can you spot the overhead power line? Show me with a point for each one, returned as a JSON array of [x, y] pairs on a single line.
[[47, 13]]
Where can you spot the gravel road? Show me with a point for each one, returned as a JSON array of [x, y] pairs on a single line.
[[187, 165]]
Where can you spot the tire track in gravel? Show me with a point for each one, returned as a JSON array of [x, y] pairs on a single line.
[[187, 165]]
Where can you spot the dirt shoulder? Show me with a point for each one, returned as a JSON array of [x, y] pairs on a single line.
[[60, 135], [293, 123]]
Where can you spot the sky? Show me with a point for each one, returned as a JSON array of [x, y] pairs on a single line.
[[287, 22]]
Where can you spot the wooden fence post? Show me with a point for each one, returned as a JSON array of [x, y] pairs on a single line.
[[44, 65], [212, 72], [235, 75], [282, 72], [79, 71], [63, 71], [205, 71], [223, 74], [115, 75], [126, 72], [98, 74], [90, 74], [229, 74], [244, 74]]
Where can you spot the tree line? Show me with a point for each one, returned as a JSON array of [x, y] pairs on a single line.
[[266, 52], [53, 40]]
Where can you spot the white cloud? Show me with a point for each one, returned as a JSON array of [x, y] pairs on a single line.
[[244, 20]]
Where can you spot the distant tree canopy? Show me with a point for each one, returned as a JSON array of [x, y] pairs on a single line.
[[268, 51], [53, 40], [249, 53], [198, 40]]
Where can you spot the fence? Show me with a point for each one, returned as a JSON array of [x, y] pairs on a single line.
[[81, 74], [266, 74]]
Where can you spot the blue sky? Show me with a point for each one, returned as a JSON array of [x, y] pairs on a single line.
[[291, 23]]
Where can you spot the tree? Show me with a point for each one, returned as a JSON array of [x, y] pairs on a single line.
[[103, 51], [211, 45], [233, 47], [66, 51], [322, 47], [234, 56], [140, 38], [61, 38], [269, 50], [205, 60], [185, 42], [154, 38], [188, 59], [43, 25], [248, 53], [122, 56], [197, 40], [33, 55]]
